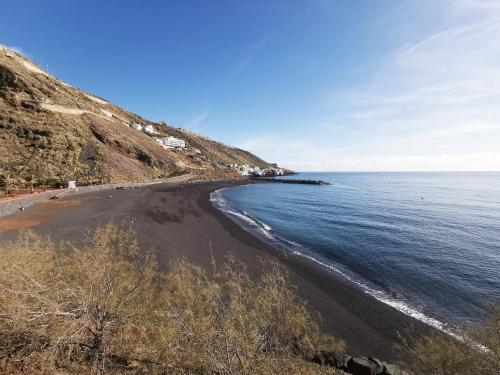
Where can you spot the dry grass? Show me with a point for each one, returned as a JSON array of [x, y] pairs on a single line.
[[37, 144], [100, 308], [477, 352]]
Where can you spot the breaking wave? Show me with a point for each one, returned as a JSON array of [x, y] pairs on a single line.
[[266, 232]]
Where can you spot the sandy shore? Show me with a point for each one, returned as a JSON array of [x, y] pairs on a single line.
[[178, 221]]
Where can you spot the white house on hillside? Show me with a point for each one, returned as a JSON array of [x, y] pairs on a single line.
[[150, 129], [137, 126], [173, 142]]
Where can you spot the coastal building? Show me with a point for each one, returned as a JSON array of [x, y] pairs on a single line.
[[137, 126], [246, 170], [70, 184], [150, 129], [257, 171], [172, 142]]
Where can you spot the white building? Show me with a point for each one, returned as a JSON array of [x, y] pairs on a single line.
[[137, 126], [245, 170], [257, 171], [150, 129], [171, 142], [70, 184]]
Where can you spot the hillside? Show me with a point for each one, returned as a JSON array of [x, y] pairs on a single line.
[[50, 130]]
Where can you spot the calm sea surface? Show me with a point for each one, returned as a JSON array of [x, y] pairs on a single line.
[[425, 243]]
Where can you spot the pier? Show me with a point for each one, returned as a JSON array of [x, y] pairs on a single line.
[[291, 181]]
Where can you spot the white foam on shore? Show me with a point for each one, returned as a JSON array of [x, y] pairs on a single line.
[[399, 304], [217, 199]]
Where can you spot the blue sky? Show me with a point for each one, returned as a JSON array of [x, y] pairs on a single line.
[[313, 85]]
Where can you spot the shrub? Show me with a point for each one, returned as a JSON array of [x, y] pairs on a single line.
[[50, 182], [476, 352], [102, 308]]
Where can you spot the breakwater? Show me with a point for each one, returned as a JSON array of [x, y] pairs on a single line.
[[291, 181]]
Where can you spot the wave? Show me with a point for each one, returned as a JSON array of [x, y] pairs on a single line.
[[256, 226], [218, 200]]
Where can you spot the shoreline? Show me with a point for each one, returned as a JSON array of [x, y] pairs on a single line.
[[264, 232], [341, 290], [178, 221]]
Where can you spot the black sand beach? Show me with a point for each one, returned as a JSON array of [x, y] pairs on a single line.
[[178, 221]]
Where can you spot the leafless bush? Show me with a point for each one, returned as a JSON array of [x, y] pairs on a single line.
[[476, 352], [103, 309]]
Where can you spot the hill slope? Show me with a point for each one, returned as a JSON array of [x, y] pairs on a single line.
[[49, 129]]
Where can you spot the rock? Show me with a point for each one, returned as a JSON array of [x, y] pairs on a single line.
[[146, 158], [101, 137], [394, 370], [364, 366], [7, 78], [379, 363]]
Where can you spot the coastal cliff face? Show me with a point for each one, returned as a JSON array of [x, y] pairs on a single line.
[[51, 130]]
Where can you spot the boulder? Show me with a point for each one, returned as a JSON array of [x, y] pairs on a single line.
[[394, 370], [7, 78], [146, 158], [364, 366]]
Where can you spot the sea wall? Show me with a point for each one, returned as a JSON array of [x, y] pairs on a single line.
[[12, 205], [9, 206]]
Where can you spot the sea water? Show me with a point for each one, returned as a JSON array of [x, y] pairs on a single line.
[[427, 244]]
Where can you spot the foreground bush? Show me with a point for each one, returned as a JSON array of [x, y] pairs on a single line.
[[477, 352], [101, 308]]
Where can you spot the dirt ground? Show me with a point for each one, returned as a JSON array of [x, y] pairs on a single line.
[[36, 214]]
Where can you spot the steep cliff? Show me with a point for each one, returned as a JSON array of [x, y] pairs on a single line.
[[51, 130]]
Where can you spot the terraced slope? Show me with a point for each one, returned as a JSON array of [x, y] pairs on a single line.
[[51, 130]]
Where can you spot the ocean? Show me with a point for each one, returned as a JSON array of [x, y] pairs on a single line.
[[425, 243]]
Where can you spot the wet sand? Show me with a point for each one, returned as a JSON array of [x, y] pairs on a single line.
[[178, 221]]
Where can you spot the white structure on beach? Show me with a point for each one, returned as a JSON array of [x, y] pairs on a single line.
[[70, 184], [137, 126], [150, 129]]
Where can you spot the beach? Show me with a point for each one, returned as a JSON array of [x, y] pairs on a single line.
[[178, 221]]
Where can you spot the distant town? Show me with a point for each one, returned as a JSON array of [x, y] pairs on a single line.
[[173, 143]]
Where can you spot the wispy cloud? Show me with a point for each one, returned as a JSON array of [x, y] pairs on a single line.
[[432, 106], [250, 55], [436, 95], [195, 123]]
